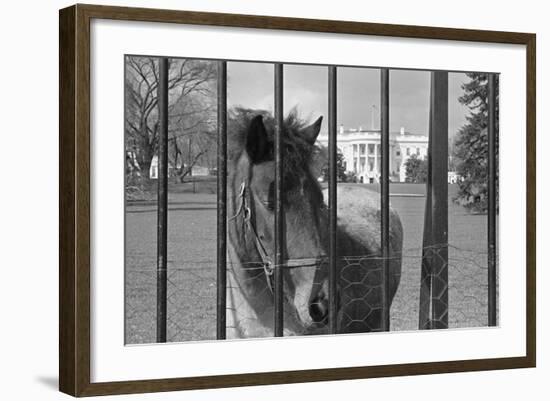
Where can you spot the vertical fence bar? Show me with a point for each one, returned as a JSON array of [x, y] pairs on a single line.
[[279, 212], [492, 201], [385, 194], [332, 202], [439, 104], [221, 279], [162, 201], [426, 268]]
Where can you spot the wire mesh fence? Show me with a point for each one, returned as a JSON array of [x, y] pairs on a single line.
[[191, 304], [191, 314]]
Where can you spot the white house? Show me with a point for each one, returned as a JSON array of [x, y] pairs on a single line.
[[362, 154]]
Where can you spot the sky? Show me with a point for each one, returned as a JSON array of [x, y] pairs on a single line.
[[305, 87]]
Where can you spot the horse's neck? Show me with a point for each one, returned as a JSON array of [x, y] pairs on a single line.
[[250, 309], [246, 317]]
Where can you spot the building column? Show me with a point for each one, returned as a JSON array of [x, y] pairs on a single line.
[[391, 156], [376, 172]]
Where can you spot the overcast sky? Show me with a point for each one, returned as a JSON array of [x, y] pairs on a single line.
[[305, 87]]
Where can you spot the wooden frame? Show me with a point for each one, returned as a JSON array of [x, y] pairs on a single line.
[[74, 199]]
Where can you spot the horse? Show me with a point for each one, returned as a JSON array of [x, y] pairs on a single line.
[[250, 230]]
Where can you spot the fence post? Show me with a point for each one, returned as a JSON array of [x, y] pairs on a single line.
[[435, 276], [492, 200], [221, 279], [385, 194], [332, 202], [439, 160], [279, 211], [426, 268], [162, 201]]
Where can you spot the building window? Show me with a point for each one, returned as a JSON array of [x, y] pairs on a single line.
[[362, 149], [418, 151], [408, 151], [362, 165], [371, 148], [398, 153], [354, 149]]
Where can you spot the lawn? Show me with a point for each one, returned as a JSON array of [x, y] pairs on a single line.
[[192, 266]]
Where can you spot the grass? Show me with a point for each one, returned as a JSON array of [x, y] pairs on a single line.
[[145, 190], [192, 266], [192, 269]]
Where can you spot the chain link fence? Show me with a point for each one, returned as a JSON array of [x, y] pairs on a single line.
[[192, 295]]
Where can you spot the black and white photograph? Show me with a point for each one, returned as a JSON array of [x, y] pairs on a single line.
[[267, 199], [275, 200]]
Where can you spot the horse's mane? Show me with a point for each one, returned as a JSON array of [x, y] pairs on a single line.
[[298, 152]]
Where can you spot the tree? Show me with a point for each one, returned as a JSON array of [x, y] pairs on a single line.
[[416, 169], [340, 166], [193, 134], [190, 85], [471, 145]]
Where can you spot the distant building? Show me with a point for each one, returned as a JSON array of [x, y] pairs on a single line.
[[362, 154], [453, 177], [154, 169], [200, 171], [195, 170]]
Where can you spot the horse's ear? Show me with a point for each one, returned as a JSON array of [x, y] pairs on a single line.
[[310, 133], [257, 144]]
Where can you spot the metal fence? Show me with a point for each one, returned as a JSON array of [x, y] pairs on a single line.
[[191, 295], [433, 263]]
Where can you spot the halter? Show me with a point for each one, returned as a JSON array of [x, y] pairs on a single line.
[[267, 262]]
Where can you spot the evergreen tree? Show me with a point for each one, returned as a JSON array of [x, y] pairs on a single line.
[[471, 145]]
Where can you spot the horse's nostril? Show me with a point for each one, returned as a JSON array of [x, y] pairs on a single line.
[[318, 310]]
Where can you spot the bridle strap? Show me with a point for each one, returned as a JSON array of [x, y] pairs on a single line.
[[244, 208]]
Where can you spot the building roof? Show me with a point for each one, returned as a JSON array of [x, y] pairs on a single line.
[[360, 134]]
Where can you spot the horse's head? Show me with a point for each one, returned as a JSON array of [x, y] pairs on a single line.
[[305, 218]]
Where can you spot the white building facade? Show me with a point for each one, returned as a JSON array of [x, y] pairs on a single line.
[[195, 170], [362, 152]]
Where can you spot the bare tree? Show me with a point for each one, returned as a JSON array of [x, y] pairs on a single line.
[[192, 134], [190, 83]]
